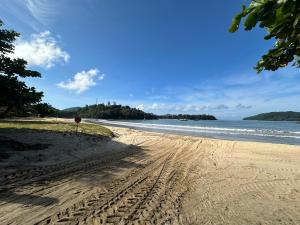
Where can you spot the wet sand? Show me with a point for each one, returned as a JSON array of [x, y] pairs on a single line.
[[143, 177]]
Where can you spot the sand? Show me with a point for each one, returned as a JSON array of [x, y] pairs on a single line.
[[143, 177]]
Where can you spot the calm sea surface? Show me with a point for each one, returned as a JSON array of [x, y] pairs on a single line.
[[264, 131]]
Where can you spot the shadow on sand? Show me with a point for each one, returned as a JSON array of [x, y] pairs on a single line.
[[89, 170], [26, 199]]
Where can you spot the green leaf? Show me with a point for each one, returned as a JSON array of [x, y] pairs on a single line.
[[251, 20], [296, 21], [235, 23]]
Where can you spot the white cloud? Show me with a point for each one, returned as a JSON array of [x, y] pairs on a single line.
[[190, 108], [220, 107], [81, 81], [140, 107], [158, 97], [36, 14], [241, 106], [154, 106], [171, 107], [43, 11], [101, 77], [42, 50], [243, 79]]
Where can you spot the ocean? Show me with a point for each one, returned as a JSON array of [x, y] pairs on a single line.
[[284, 132]]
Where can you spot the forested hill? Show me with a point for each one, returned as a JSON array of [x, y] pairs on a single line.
[[276, 116], [114, 111], [102, 111]]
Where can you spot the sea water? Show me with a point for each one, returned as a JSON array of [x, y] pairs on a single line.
[[285, 132]]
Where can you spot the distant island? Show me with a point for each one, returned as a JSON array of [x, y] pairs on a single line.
[[276, 116], [114, 111]]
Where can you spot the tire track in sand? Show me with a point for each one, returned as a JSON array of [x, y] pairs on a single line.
[[138, 199]]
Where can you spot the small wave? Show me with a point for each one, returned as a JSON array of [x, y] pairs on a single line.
[[175, 126], [209, 130]]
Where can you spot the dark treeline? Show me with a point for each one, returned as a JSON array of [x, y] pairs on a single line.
[[101, 111], [35, 110], [108, 111], [188, 117], [114, 111]]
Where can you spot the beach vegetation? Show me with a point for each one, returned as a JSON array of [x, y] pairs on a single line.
[[281, 20], [44, 109], [15, 95], [57, 126]]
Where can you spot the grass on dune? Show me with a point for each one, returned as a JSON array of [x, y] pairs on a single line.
[[58, 126]]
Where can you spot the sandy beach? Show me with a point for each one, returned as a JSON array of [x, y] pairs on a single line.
[[140, 177]]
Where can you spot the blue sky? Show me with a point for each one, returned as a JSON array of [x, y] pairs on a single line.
[[162, 56]]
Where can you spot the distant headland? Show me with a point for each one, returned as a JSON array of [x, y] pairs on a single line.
[[276, 116]]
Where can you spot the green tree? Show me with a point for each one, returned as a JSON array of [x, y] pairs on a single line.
[[14, 94], [44, 109], [281, 19]]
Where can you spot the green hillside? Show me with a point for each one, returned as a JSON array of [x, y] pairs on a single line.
[[102, 111], [114, 111], [276, 116]]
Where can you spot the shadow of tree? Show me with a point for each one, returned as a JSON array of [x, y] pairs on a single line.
[[27, 199], [106, 159]]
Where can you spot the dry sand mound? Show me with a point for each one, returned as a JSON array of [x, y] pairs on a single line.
[[150, 178]]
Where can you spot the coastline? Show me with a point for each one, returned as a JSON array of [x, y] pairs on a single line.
[[278, 133], [187, 180], [123, 131]]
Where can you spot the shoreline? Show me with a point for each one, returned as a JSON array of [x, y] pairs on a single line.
[[192, 133], [123, 130]]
